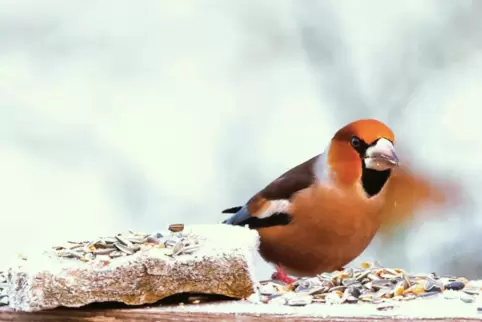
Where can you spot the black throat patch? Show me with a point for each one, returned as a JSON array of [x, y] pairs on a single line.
[[373, 180]]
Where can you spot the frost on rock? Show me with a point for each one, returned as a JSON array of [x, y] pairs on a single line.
[[221, 264]]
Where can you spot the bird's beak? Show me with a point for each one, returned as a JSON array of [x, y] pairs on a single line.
[[381, 156]]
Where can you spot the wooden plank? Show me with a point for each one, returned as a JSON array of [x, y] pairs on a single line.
[[150, 314], [153, 314], [221, 308]]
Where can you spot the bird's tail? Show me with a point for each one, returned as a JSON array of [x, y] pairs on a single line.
[[232, 210]]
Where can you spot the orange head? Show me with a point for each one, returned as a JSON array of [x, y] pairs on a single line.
[[363, 151]]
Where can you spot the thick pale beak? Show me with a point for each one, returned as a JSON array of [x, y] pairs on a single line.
[[381, 156]]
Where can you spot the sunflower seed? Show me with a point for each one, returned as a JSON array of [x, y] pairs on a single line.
[[350, 281], [399, 288], [124, 241], [176, 227], [110, 240], [347, 297], [333, 298], [385, 306], [177, 248], [136, 240], [190, 249], [69, 253], [300, 300], [456, 286], [170, 243], [126, 245], [116, 253], [4, 300], [432, 285], [340, 288], [471, 290], [268, 289], [429, 295], [103, 251], [362, 275], [152, 239], [367, 297], [467, 298], [280, 300], [125, 249], [374, 284]]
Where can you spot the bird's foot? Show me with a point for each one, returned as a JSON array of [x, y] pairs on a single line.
[[281, 276]]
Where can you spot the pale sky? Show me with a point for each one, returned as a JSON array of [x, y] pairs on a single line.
[[121, 114]]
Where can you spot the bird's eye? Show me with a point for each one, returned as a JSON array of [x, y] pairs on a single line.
[[355, 142]]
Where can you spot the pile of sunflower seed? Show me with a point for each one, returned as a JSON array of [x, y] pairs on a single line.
[[106, 248], [370, 283], [3, 289]]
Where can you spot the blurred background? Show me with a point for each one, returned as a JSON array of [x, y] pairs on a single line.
[[122, 114]]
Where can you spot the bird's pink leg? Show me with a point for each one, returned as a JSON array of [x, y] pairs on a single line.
[[281, 276]]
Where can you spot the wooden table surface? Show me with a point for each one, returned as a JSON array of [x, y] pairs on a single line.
[[106, 312], [156, 314]]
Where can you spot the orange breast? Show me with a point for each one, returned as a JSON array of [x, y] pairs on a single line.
[[329, 229]]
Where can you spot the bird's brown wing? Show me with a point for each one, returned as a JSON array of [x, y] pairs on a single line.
[[408, 192], [290, 182], [268, 207]]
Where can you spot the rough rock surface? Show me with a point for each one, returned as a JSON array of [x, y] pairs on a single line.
[[222, 265]]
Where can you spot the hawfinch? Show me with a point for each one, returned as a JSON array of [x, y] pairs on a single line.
[[320, 215]]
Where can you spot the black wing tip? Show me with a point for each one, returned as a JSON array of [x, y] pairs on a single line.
[[231, 210], [276, 219]]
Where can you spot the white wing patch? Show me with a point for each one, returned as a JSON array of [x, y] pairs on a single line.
[[274, 207]]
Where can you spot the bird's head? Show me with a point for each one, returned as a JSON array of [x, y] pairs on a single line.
[[363, 150]]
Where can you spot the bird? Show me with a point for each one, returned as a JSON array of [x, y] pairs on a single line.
[[323, 213]]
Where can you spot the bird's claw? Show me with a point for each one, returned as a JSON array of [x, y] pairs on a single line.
[[285, 279], [280, 275]]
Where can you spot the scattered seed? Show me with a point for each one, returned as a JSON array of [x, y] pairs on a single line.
[[471, 290], [278, 300], [124, 248], [456, 286], [4, 286], [467, 298], [300, 300], [365, 265], [385, 306], [69, 253], [177, 248], [399, 288], [103, 251], [370, 283], [190, 249], [121, 245], [333, 298], [433, 285], [429, 295], [115, 254], [268, 289], [176, 228], [124, 241]]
